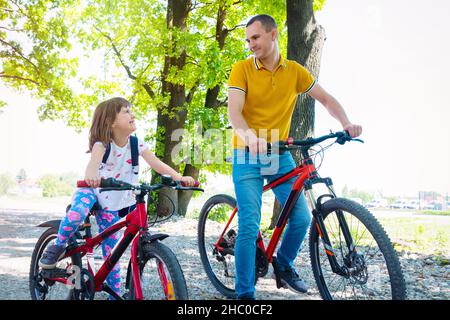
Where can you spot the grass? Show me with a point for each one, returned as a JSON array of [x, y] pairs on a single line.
[[436, 213], [426, 212], [419, 234]]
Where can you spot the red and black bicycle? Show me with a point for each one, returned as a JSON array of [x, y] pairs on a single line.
[[153, 270], [351, 255]]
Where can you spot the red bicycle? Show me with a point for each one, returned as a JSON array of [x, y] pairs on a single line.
[[351, 255], [153, 270]]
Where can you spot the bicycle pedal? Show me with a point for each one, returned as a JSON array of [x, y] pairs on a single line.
[[54, 273], [280, 284]]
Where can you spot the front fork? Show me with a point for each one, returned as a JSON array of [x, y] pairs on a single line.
[[136, 259], [320, 225]]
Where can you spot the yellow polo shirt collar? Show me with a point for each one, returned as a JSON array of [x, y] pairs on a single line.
[[258, 64]]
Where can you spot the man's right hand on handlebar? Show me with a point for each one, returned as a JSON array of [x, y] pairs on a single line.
[[257, 145]]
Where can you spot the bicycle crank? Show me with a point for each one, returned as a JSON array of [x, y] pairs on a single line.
[[261, 263], [84, 286]]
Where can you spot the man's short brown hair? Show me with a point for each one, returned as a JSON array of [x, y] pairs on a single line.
[[267, 21]]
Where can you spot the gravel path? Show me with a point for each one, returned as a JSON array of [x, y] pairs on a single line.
[[425, 278]]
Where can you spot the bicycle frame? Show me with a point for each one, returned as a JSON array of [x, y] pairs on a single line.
[[306, 174], [303, 173], [135, 223]]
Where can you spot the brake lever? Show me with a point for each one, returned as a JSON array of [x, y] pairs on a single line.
[[113, 189], [189, 189], [343, 139], [179, 186]]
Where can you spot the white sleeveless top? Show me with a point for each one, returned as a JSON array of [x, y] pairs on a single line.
[[118, 166]]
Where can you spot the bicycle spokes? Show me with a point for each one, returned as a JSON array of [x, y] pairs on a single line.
[[219, 231], [156, 281], [352, 263], [165, 282]]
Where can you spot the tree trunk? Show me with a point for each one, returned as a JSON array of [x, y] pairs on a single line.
[[305, 42], [175, 116], [275, 214], [184, 197]]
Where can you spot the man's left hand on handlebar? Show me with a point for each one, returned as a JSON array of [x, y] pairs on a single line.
[[354, 130]]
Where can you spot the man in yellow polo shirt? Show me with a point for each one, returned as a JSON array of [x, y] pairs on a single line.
[[262, 92]]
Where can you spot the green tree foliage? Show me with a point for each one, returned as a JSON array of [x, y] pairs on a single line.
[[141, 43], [170, 58], [57, 185], [6, 183], [35, 53], [37, 38], [355, 193]]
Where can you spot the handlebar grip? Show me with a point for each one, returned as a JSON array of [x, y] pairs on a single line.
[[196, 184], [269, 147], [82, 184], [347, 134], [105, 183]]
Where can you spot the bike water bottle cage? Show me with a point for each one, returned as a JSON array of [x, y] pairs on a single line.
[[134, 154]]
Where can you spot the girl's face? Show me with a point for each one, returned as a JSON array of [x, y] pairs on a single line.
[[124, 121]]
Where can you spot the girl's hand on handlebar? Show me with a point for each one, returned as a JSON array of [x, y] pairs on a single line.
[[188, 181], [93, 181]]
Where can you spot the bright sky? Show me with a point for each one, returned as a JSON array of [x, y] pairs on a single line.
[[385, 61]]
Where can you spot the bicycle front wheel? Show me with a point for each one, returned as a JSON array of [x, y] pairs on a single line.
[[161, 274], [370, 272], [218, 256]]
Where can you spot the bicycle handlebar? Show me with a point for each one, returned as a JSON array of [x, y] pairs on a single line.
[[290, 143], [342, 137], [112, 184]]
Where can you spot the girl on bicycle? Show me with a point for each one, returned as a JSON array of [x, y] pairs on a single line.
[[112, 125]]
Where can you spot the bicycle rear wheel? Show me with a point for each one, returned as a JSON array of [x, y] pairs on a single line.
[[372, 272], [43, 289], [161, 275], [219, 264]]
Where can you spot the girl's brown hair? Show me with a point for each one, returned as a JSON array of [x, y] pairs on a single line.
[[103, 119]]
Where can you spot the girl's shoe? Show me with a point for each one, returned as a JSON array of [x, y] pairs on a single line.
[[51, 256]]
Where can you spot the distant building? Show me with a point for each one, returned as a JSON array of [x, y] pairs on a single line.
[[27, 187]]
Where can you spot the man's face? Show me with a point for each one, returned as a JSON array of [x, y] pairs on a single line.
[[259, 41]]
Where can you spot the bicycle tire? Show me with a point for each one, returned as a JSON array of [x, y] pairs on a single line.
[[206, 212], [159, 251], [46, 237], [394, 271]]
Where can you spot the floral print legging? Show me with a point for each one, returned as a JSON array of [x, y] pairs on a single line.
[[82, 202]]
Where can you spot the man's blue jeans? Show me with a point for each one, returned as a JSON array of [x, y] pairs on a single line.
[[249, 173]]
